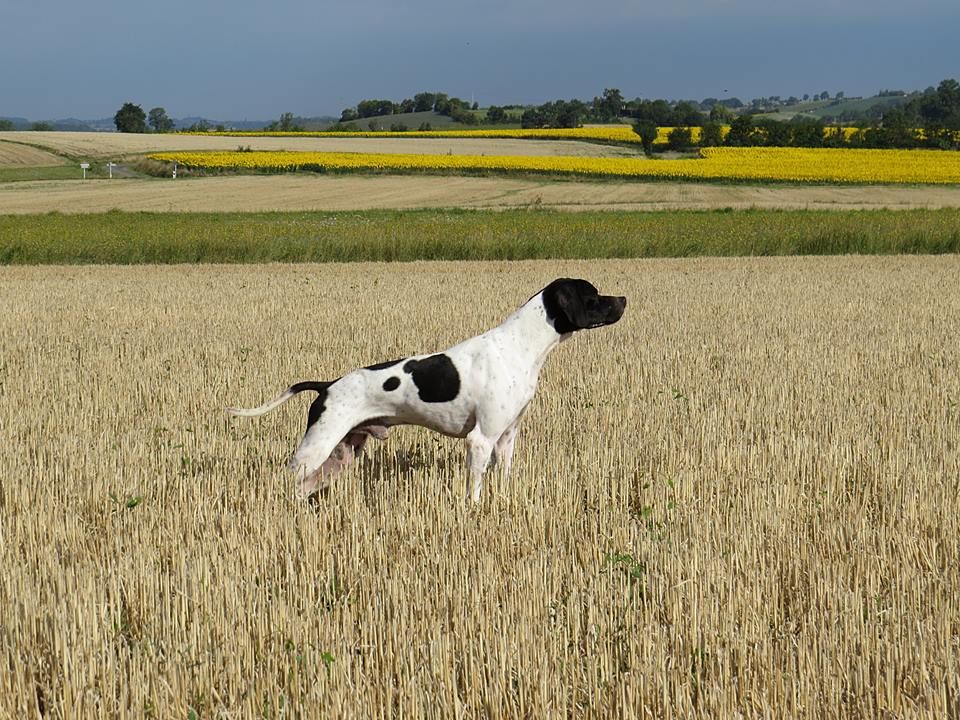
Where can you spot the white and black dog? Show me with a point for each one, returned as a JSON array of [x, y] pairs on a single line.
[[477, 390]]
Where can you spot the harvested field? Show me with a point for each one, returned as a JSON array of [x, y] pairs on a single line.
[[317, 192], [109, 146], [740, 501], [15, 155]]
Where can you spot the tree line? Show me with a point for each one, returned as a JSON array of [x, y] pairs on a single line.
[[927, 119]]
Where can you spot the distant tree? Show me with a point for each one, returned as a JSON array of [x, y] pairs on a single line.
[[772, 132], [344, 127], [680, 139], [157, 117], [423, 102], [711, 134], [647, 130], [532, 118], [375, 108], [130, 119], [896, 129], [440, 101], [807, 132], [687, 113], [496, 114], [743, 132], [349, 115], [721, 114], [657, 112], [287, 123], [406, 105], [41, 126], [938, 113], [6, 125], [609, 106]]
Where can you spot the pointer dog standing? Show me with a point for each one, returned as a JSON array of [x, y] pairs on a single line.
[[477, 390]]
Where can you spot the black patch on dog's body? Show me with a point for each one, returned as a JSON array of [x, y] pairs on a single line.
[[383, 365], [391, 383], [436, 378], [319, 404]]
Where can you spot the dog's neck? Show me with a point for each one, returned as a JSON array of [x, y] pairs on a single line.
[[531, 330]]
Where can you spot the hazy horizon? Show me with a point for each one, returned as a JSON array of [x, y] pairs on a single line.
[[253, 61]]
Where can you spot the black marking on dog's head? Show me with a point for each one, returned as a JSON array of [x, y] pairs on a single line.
[[391, 383], [436, 378], [383, 365], [573, 304]]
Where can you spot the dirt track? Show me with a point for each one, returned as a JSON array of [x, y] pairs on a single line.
[[312, 192]]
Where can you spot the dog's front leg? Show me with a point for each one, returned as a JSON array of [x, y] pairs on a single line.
[[503, 453], [479, 449]]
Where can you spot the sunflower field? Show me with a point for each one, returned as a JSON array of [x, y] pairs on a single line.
[[814, 165]]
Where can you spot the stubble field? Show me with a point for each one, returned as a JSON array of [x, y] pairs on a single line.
[[739, 501]]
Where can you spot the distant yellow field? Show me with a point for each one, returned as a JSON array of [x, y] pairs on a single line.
[[740, 501], [760, 164]]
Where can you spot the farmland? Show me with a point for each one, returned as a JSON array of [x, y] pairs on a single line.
[[757, 164], [739, 501]]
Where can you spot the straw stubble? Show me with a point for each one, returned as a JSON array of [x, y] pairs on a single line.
[[740, 500]]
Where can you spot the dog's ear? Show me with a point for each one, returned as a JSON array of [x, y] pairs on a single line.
[[563, 301], [573, 305]]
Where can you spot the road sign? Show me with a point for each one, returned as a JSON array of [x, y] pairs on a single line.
[[84, 167]]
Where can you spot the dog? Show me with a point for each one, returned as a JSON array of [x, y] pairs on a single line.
[[477, 390]]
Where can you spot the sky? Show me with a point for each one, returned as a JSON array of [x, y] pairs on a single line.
[[253, 60]]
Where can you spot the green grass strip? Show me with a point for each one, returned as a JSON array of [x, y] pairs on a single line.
[[134, 238]]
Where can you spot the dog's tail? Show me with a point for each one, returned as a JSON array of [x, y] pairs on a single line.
[[318, 386]]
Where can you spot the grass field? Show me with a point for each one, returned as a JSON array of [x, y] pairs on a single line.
[[466, 235], [740, 501]]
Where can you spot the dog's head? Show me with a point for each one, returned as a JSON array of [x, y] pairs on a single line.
[[573, 305]]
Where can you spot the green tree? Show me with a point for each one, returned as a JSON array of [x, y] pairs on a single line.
[[6, 124], [712, 134], [647, 131], [496, 114], [157, 117], [743, 132], [680, 139], [130, 119], [721, 114], [609, 106]]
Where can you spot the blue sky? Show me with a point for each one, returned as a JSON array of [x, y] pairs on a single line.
[[254, 60]]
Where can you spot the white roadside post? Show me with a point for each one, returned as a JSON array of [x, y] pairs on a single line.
[[84, 167], [110, 167]]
